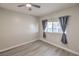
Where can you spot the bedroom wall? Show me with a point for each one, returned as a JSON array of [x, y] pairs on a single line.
[[16, 28], [72, 29]]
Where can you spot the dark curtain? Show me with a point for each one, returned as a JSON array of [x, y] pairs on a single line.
[[63, 22], [44, 24]]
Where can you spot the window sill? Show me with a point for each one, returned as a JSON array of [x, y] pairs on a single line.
[[53, 33]]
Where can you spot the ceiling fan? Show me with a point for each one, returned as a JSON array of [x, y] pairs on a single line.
[[29, 6]]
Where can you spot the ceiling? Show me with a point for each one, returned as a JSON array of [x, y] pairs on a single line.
[[46, 8]]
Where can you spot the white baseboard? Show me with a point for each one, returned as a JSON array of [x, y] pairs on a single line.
[[17, 45], [69, 50]]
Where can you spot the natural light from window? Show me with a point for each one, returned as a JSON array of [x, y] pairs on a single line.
[[53, 27]]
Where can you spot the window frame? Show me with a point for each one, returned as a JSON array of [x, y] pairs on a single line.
[[52, 28]]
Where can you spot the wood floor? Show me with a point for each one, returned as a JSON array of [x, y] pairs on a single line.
[[37, 48]]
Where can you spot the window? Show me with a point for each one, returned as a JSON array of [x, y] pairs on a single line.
[[53, 27]]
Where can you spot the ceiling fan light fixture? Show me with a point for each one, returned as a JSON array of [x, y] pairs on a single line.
[[28, 5]]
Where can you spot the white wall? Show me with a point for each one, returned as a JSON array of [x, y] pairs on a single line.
[[72, 29], [16, 28]]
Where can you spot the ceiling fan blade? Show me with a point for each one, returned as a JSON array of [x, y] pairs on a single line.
[[21, 5], [35, 5]]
